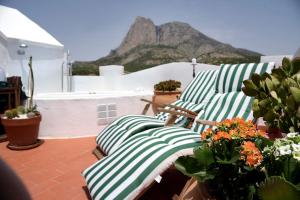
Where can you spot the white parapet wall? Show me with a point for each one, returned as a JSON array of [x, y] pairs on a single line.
[[276, 59], [138, 81], [82, 114]]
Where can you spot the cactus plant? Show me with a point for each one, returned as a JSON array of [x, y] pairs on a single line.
[[277, 188], [277, 96]]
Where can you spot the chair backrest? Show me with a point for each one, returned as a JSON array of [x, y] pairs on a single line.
[[195, 95], [230, 77], [200, 87], [229, 101], [225, 106]]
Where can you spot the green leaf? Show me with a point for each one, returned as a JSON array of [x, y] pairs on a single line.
[[274, 94], [204, 156], [290, 102], [278, 73], [276, 188], [264, 103], [275, 81], [269, 84], [269, 116], [187, 165], [296, 93], [250, 89], [296, 66], [290, 82], [255, 105], [256, 79], [286, 64]]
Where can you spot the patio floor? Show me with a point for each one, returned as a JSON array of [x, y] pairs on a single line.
[[52, 170]]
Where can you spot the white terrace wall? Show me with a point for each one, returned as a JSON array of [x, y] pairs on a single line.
[[142, 80], [276, 59]]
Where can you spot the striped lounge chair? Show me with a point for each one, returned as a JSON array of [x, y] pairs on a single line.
[[131, 168], [193, 98]]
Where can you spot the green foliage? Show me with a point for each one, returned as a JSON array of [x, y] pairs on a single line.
[[277, 96], [170, 85], [84, 69], [277, 188]]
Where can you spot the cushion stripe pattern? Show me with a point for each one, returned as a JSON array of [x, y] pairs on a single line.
[[194, 97], [119, 130], [230, 77], [136, 163], [200, 87], [225, 106]]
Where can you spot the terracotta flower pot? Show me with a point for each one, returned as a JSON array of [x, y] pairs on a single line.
[[164, 97], [274, 133], [22, 133]]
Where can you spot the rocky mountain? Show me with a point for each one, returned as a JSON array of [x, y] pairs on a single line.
[[147, 45]]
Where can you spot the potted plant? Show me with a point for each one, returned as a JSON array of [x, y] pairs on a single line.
[[22, 124], [228, 161], [277, 97], [165, 92]]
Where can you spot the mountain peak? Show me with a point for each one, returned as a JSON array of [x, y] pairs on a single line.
[[147, 45], [142, 31]]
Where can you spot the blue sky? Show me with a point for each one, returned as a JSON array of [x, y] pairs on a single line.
[[91, 28]]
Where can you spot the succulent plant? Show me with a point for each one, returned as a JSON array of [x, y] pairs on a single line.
[[21, 109], [10, 114], [170, 85], [277, 96]]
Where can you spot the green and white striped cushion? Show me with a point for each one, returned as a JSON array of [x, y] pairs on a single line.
[[194, 97], [225, 106], [200, 87], [119, 130], [230, 77], [138, 161]]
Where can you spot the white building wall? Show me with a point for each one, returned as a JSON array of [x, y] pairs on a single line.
[[276, 59], [47, 64], [142, 80]]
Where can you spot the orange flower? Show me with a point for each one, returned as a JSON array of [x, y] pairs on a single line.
[[206, 133], [221, 134], [251, 154], [233, 133]]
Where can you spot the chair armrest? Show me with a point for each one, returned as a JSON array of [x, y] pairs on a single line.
[[183, 109], [173, 112], [146, 100], [207, 122]]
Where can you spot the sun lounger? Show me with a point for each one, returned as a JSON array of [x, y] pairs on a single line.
[[135, 164], [193, 98]]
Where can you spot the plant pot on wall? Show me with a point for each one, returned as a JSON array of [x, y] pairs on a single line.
[[163, 97], [165, 92], [22, 133]]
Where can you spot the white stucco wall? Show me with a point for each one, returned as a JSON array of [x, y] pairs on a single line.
[[77, 117], [142, 80], [276, 59]]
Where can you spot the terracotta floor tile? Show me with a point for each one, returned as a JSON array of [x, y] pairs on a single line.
[[53, 170]]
